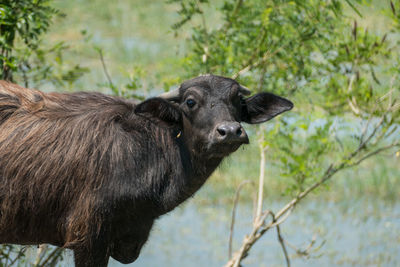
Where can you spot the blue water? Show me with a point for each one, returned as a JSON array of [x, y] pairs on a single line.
[[362, 233], [351, 232], [356, 234]]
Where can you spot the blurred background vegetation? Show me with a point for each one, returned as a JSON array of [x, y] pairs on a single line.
[[338, 61]]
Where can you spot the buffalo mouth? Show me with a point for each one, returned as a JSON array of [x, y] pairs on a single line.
[[223, 149]]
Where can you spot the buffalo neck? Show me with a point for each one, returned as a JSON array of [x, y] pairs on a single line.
[[185, 172]]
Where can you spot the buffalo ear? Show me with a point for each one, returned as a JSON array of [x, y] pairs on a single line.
[[263, 107], [159, 108]]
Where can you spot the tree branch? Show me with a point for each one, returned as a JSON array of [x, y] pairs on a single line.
[[250, 65], [282, 242], [234, 13], [259, 229], [237, 194], [263, 149]]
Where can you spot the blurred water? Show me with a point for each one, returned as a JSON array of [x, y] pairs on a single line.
[[358, 233], [353, 233]]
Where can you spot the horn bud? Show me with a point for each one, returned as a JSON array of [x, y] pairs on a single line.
[[171, 95], [244, 90]]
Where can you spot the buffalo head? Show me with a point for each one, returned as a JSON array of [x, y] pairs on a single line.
[[209, 110]]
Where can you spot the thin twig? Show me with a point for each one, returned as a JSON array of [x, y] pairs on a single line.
[[379, 124], [110, 82], [262, 78], [363, 140], [282, 219], [24, 75], [249, 64], [206, 47], [352, 101], [267, 55], [40, 253], [385, 134], [263, 149], [375, 152], [52, 258], [307, 250], [254, 205], [282, 242], [20, 253], [235, 11], [237, 194]]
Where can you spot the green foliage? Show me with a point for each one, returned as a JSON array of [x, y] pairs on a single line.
[[300, 148], [132, 88], [13, 255], [187, 10], [24, 57], [26, 19], [274, 39], [315, 53]]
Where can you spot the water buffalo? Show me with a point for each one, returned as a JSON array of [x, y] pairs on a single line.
[[92, 172]]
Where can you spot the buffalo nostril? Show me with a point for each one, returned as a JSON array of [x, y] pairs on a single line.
[[230, 132], [221, 131]]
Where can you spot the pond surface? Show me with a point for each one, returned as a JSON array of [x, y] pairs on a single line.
[[352, 233]]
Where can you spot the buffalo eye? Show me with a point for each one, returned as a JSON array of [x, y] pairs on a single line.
[[190, 103]]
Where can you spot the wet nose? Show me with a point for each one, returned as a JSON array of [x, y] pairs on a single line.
[[231, 132]]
